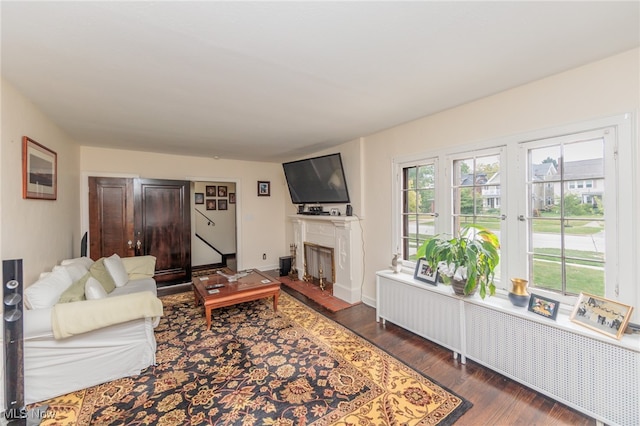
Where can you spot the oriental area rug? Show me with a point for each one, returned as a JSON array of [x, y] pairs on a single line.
[[260, 367]]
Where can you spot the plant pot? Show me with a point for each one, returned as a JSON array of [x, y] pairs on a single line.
[[458, 287]]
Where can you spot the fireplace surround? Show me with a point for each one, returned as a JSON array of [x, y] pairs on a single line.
[[343, 235]]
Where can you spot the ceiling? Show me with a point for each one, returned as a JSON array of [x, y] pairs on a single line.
[[273, 81]]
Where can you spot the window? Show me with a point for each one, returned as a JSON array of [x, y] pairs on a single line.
[[566, 238], [418, 206], [476, 192], [564, 207]]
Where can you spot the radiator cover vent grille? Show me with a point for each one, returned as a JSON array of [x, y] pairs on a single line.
[[577, 370]]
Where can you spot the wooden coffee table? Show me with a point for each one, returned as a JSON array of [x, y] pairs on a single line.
[[255, 285]]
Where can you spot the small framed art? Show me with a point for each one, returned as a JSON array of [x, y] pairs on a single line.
[[222, 204], [39, 171], [232, 198], [547, 308], [198, 197], [264, 188], [602, 315], [222, 191], [425, 273], [211, 190], [211, 204]]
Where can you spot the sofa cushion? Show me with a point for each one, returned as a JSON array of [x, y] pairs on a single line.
[[99, 271], [93, 289], [75, 292], [76, 270], [45, 292], [136, 286], [116, 269]]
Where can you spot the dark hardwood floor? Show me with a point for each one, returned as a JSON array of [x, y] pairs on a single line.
[[497, 400]]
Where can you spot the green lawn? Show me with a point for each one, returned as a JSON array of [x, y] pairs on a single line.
[[579, 278]]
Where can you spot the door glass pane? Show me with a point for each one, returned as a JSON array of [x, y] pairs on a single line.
[[477, 197], [566, 216], [418, 207]]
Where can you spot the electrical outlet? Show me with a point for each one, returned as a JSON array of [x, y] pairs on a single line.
[[264, 256]]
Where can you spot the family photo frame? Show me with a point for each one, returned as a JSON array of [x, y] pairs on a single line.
[[602, 315], [425, 273], [543, 306], [39, 171], [264, 188]]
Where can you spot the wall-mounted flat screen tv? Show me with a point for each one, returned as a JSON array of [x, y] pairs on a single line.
[[317, 180]]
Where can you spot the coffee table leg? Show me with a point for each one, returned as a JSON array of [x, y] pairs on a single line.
[[207, 312], [275, 301]]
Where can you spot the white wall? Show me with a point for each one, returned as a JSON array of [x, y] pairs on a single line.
[[261, 221], [597, 90], [41, 232]]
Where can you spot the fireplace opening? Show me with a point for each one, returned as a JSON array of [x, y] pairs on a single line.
[[319, 266]]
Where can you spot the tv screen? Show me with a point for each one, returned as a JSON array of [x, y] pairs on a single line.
[[317, 180]]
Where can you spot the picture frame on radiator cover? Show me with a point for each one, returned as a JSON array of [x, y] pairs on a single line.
[[543, 306], [602, 315], [425, 273]]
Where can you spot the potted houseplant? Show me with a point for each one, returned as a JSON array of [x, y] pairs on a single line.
[[468, 260]]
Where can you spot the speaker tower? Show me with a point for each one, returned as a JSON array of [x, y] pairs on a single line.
[[13, 359]]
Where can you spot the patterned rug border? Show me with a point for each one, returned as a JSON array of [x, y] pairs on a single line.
[[396, 379], [453, 417], [449, 420]]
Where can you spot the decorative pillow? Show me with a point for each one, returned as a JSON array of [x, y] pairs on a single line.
[[75, 292], [45, 292], [84, 260], [116, 269], [93, 289], [76, 270], [140, 266], [99, 271]]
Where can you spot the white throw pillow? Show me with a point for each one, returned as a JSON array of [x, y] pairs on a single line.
[[94, 290], [116, 269], [45, 292], [76, 270]]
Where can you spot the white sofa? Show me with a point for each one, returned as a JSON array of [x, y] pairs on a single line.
[[87, 323]]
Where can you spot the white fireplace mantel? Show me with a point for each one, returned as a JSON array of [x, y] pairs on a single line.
[[344, 235]]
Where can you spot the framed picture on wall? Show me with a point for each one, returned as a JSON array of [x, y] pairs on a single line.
[[264, 188], [232, 198], [222, 191], [211, 190], [199, 198], [222, 204], [211, 204], [39, 171]]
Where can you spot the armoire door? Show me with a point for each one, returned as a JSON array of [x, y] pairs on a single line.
[[134, 217], [111, 217], [162, 221]]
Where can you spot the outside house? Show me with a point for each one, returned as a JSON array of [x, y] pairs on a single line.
[[583, 179]]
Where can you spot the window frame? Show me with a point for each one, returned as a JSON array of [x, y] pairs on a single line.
[[610, 200], [620, 238]]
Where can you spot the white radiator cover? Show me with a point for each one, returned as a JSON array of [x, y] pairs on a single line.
[[597, 375]]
